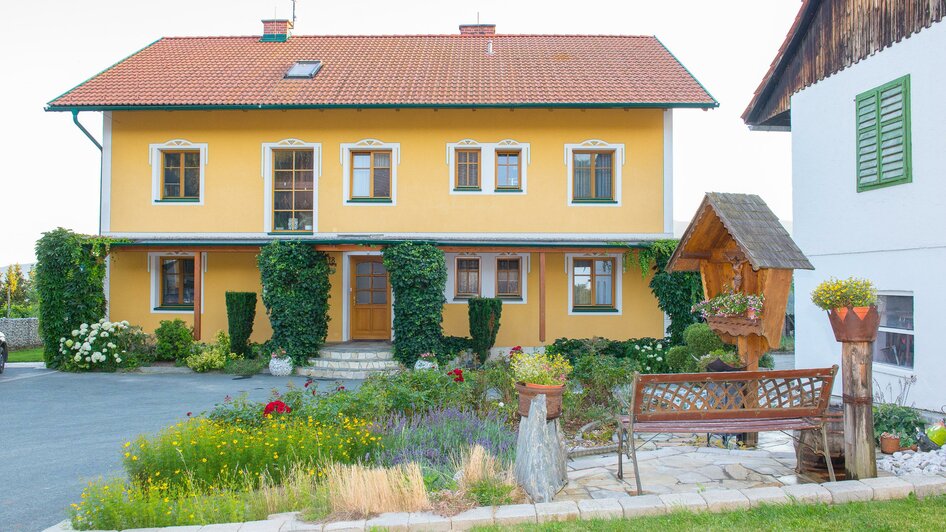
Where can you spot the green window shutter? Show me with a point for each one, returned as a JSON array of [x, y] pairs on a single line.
[[883, 135]]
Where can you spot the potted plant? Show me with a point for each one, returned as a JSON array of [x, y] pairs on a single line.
[[889, 443], [280, 364], [540, 373], [851, 307], [733, 313]]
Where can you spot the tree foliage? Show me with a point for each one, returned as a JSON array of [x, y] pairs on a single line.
[[70, 271], [295, 279], [418, 276], [241, 310], [484, 324]]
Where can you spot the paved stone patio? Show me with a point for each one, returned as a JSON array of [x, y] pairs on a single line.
[[683, 464]]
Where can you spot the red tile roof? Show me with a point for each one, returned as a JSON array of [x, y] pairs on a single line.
[[411, 70]]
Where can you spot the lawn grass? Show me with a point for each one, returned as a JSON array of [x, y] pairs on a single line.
[[905, 514], [34, 354]]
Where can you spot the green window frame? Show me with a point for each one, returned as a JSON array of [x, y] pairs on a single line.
[[883, 136]]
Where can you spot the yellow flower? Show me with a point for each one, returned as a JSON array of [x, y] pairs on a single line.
[[133, 457]]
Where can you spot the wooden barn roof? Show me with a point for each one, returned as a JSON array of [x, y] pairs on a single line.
[[749, 222]]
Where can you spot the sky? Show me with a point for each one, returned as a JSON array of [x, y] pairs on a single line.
[[50, 175]]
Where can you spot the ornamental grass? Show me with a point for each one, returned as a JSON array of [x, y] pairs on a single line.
[[357, 490]]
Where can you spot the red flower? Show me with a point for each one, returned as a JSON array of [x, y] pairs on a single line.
[[189, 414], [340, 389], [278, 407], [457, 374], [307, 382]]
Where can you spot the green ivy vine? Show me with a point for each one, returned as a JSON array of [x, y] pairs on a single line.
[[418, 276]]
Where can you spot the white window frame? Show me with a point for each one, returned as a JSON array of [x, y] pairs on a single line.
[[154, 159], [154, 273], [891, 369], [487, 277], [368, 144], [618, 283], [266, 165], [488, 183], [594, 145]]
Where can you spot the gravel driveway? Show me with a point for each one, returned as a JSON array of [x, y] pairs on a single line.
[[60, 430]]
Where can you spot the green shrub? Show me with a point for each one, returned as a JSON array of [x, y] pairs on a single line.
[[896, 419], [680, 359], [676, 292], [206, 360], [701, 339], [245, 366], [484, 313], [70, 270], [175, 340], [574, 348], [491, 491], [767, 361], [241, 310], [418, 277], [599, 375], [296, 287], [452, 347]]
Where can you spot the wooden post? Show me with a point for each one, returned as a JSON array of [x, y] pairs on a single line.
[[750, 350], [856, 373], [198, 268], [542, 297]]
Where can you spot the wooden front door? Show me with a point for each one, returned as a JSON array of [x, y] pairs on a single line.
[[370, 300]]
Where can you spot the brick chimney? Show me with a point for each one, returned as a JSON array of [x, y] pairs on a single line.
[[477, 29], [276, 30]]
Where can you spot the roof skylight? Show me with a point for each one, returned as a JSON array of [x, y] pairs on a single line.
[[304, 69]]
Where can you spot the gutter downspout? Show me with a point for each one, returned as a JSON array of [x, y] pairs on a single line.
[[75, 118]]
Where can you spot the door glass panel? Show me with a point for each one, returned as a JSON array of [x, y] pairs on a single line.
[[379, 283], [362, 297], [379, 298], [378, 268], [362, 282], [363, 268]]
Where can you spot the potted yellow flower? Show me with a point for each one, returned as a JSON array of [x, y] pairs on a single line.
[[851, 307], [540, 373]]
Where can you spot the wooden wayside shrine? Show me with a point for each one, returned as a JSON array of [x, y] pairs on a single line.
[[737, 244]]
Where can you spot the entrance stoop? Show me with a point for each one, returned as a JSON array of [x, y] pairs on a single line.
[[351, 361]]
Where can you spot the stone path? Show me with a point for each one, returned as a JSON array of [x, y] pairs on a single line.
[[681, 465]]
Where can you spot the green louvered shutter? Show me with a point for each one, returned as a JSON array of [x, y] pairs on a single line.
[[883, 135]]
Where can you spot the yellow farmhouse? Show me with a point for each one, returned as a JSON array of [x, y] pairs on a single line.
[[533, 161]]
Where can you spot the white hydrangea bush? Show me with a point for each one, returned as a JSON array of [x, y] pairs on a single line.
[[99, 345]]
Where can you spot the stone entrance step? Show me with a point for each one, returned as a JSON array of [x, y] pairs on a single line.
[[351, 361]]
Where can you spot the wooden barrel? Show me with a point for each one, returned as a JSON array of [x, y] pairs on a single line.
[[808, 448]]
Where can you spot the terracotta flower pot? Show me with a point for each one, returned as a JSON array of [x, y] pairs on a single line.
[[889, 444], [855, 324], [553, 398]]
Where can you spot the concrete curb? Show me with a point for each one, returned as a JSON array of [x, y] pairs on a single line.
[[711, 500]]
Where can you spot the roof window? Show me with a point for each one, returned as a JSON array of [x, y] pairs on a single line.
[[304, 69]]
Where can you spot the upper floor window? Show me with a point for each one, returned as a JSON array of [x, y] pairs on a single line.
[[468, 169], [293, 189], [593, 177], [177, 282], [468, 277], [508, 169], [894, 344], [371, 174], [593, 285], [508, 277], [177, 172], [883, 135]]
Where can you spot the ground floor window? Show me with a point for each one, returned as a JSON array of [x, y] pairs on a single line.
[[508, 275], [468, 277], [593, 283], [894, 344], [177, 282]]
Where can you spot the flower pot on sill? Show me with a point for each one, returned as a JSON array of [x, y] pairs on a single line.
[[889, 444], [553, 398], [855, 324]]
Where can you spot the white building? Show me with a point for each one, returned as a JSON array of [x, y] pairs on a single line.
[[865, 105]]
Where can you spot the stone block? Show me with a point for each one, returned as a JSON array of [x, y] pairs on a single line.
[[926, 485], [807, 493], [724, 500], [221, 527], [540, 466], [393, 521], [427, 522], [690, 502], [482, 516], [345, 526], [556, 511], [768, 495], [848, 491], [886, 488], [294, 525], [600, 509], [642, 505], [269, 525], [514, 514]]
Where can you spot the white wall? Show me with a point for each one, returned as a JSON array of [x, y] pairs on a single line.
[[895, 235]]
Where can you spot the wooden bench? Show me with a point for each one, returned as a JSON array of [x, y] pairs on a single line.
[[732, 402]]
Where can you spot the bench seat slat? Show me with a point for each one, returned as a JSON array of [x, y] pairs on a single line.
[[725, 425]]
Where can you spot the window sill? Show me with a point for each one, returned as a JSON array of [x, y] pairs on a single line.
[[465, 297], [594, 310], [509, 190], [594, 202], [290, 233], [370, 200], [175, 309], [510, 298], [468, 189], [179, 200], [875, 186]]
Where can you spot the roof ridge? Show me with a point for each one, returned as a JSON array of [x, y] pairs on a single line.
[[452, 35]]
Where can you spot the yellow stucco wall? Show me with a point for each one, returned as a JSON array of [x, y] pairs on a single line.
[[234, 187]]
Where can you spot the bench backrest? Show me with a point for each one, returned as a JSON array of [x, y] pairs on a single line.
[[732, 395]]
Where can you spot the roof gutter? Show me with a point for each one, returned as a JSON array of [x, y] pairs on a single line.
[[248, 107], [75, 119]]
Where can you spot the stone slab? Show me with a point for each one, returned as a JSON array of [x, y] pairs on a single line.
[[294, 525], [642, 505], [691, 502], [807, 493], [556, 511], [345, 526], [767, 495], [600, 509], [393, 521], [724, 500], [269, 525], [427, 522], [482, 516], [221, 527], [848, 491], [926, 485], [886, 488], [514, 514]]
